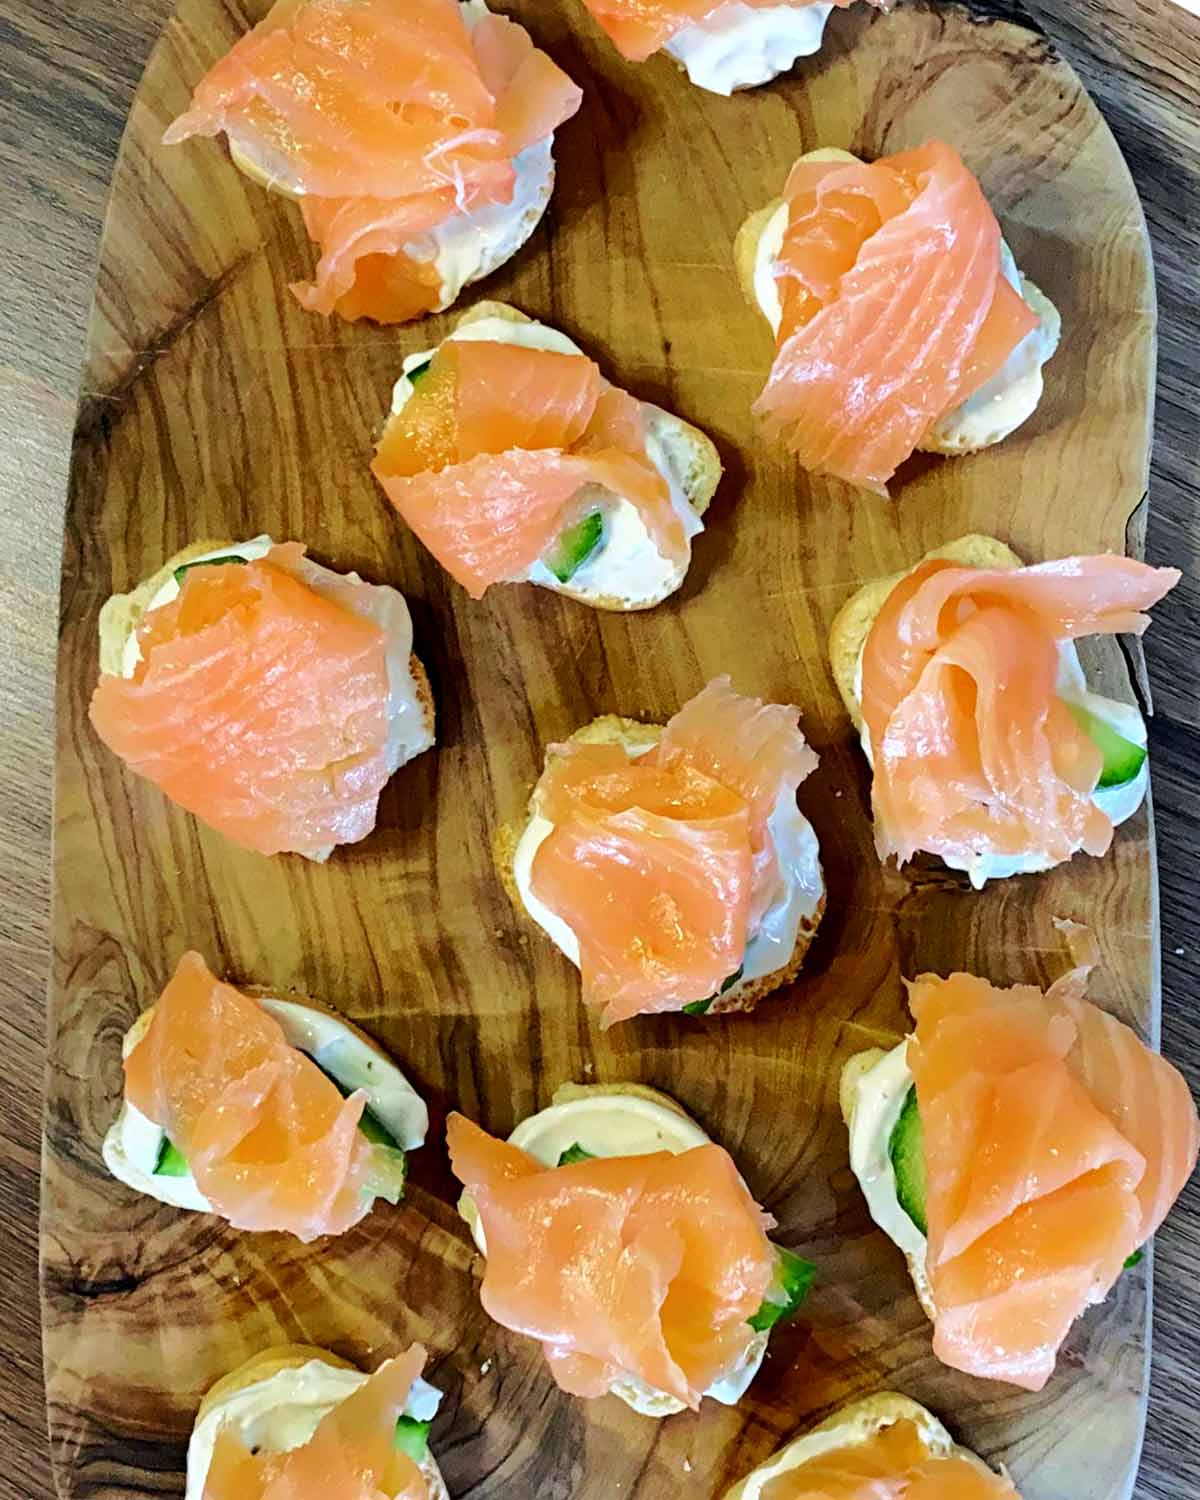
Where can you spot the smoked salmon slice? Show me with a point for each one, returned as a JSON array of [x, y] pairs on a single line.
[[269, 1139], [1055, 1142], [489, 456], [386, 118], [661, 862], [974, 754], [638, 1266], [261, 704], [639, 28], [352, 1455], [895, 309], [892, 1464]]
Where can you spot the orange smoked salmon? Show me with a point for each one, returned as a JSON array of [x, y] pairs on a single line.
[[1055, 1142], [663, 863], [352, 1455], [893, 1464], [389, 120], [637, 1267], [501, 446], [975, 754], [268, 1138], [271, 698], [894, 309]]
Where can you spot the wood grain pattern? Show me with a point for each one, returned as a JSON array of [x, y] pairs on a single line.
[[409, 933]]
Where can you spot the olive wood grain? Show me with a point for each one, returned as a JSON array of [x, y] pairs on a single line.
[[213, 405]]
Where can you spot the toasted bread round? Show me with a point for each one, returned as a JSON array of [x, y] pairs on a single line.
[[857, 1423], [852, 623], [693, 456], [745, 248], [121, 615], [261, 1367], [632, 732]]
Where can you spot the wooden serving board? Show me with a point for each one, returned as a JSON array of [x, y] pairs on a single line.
[[214, 407]]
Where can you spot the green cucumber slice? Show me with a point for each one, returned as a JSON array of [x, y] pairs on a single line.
[[417, 371], [368, 1122], [906, 1149], [575, 1153], [574, 546], [1123, 758], [412, 1437], [171, 1161], [206, 562], [699, 1007], [793, 1278]]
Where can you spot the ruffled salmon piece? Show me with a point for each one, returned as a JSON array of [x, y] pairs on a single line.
[[385, 117], [1055, 1142], [756, 749], [268, 1138], [895, 309], [973, 751], [642, 1266], [352, 1455], [486, 458], [259, 705], [660, 862], [640, 28], [892, 1464], [371, 97]]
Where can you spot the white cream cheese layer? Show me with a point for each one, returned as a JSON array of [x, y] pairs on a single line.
[[132, 1146], [619, 1124], [1116, 802], [769, 946], [740, 46], [283, 1411], [409, 728], [473, 243], [995, 410], [873, 1109], [627, 565], [1011, 396]]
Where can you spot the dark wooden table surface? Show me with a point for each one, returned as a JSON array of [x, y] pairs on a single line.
[[68, 69]]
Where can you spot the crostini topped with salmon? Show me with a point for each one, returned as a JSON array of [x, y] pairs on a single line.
[[269, 1110], [298, 1423], [514, 460], [1020, 1148], [416, 136], [883, 1447], [900, 318], [987, 747], [266, 694], [722, 45], [672, 864], [618, 1235]]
